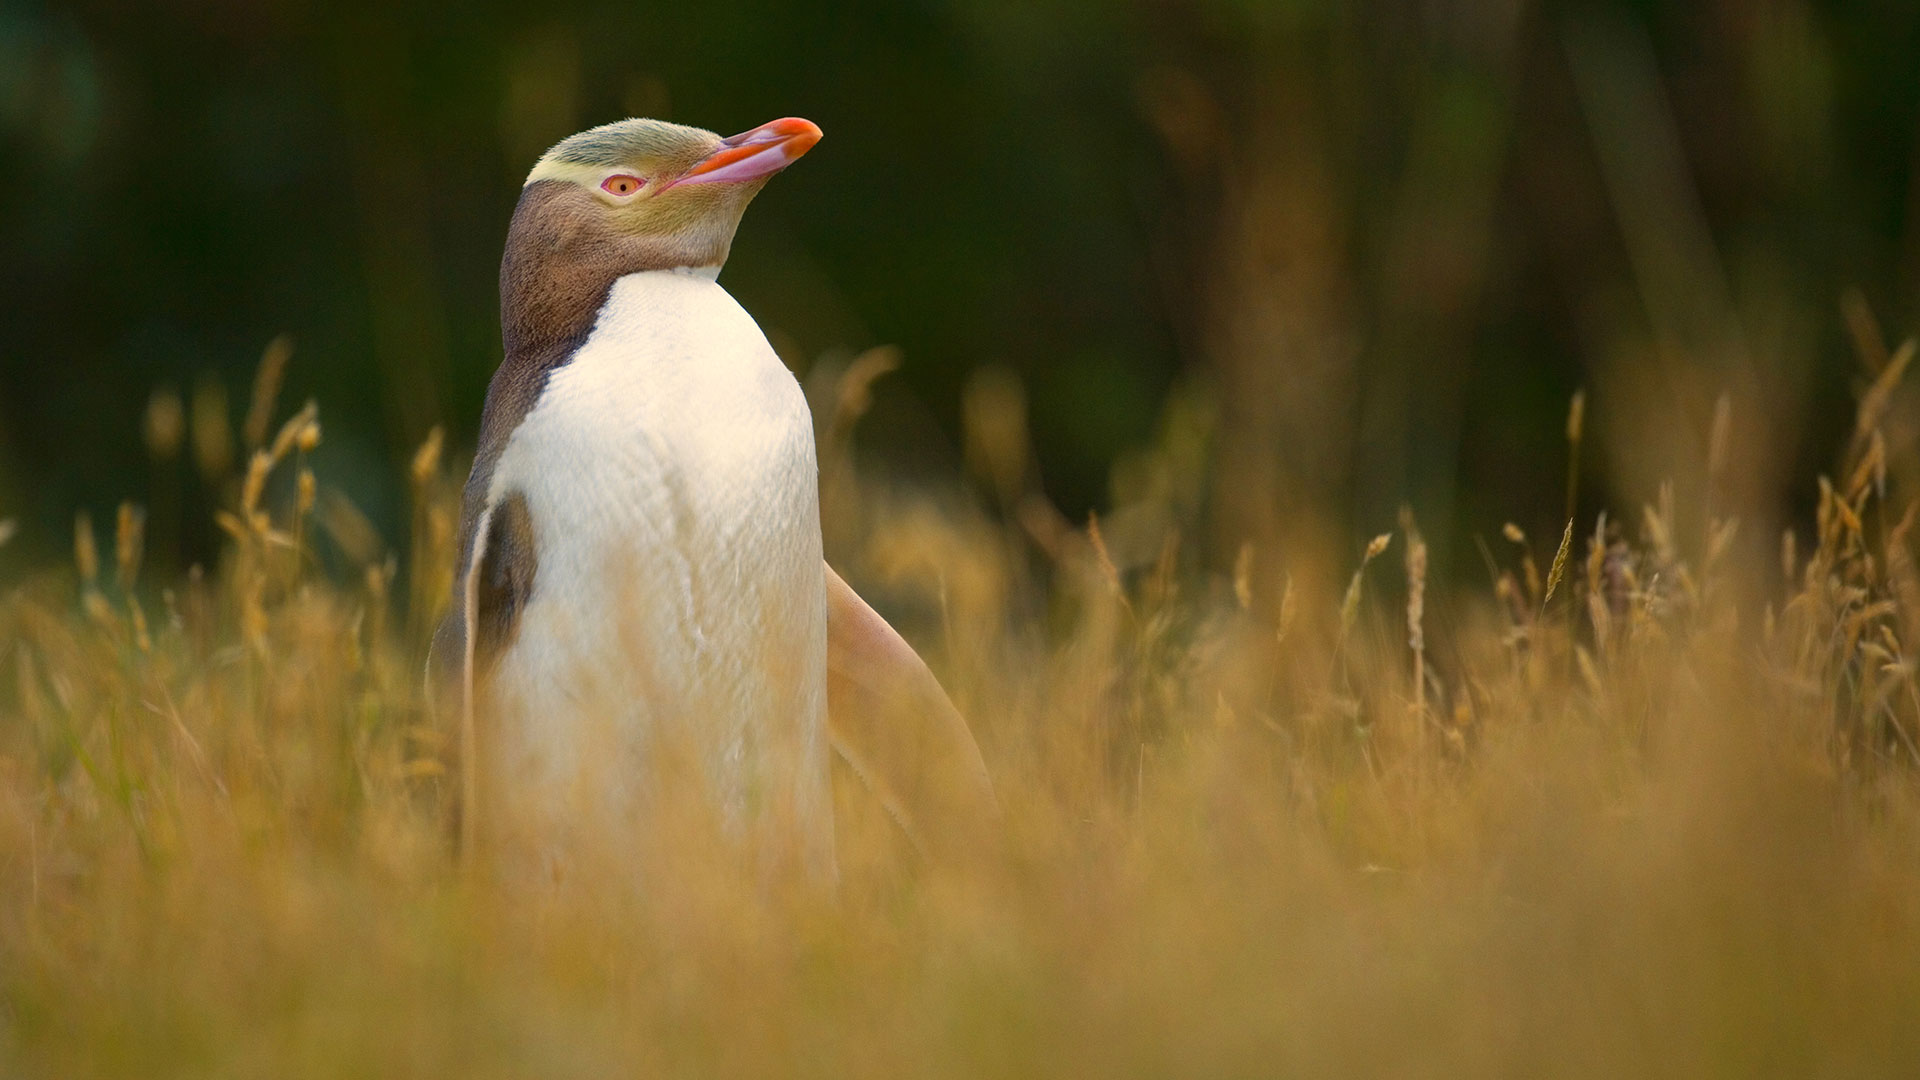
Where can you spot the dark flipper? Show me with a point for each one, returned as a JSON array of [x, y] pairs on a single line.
[[490, 591], [499, 581], [505, 579], [891, 721]]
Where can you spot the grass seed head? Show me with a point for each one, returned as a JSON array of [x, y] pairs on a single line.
[[212, 435], [426, 460], [129, 543], [165, 423], [1350, 602], [86, 553], [267, 377], [1559, 568]]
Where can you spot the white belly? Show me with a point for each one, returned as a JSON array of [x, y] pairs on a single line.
[[677, 624]]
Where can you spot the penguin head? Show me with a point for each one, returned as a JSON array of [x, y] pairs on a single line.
[[651, 195]]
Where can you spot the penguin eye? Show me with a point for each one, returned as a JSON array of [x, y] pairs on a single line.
[[621, 184]]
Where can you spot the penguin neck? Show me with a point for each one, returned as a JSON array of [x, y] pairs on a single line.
[[541, 327], [560, 266]]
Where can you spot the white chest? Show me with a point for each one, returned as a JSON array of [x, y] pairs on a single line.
[[675, 412], [678, 597]]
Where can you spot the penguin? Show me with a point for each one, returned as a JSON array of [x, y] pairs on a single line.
[[640, 594]]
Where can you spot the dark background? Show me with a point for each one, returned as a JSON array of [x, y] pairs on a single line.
[[1381, 243]]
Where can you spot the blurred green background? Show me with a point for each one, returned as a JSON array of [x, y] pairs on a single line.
[[1377, 246]]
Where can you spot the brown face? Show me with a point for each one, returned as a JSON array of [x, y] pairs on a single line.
[[658, 194]]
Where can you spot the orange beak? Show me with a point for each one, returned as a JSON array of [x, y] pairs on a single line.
[[753, 154]]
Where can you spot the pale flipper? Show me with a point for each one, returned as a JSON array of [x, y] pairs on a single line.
[[890, 719]]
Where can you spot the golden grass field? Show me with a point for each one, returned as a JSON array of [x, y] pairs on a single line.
[[1637, 803]]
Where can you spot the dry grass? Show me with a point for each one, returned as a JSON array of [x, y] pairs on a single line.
[[1654, 813]]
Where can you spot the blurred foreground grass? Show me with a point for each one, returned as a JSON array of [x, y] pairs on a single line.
[[1639, 808]]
